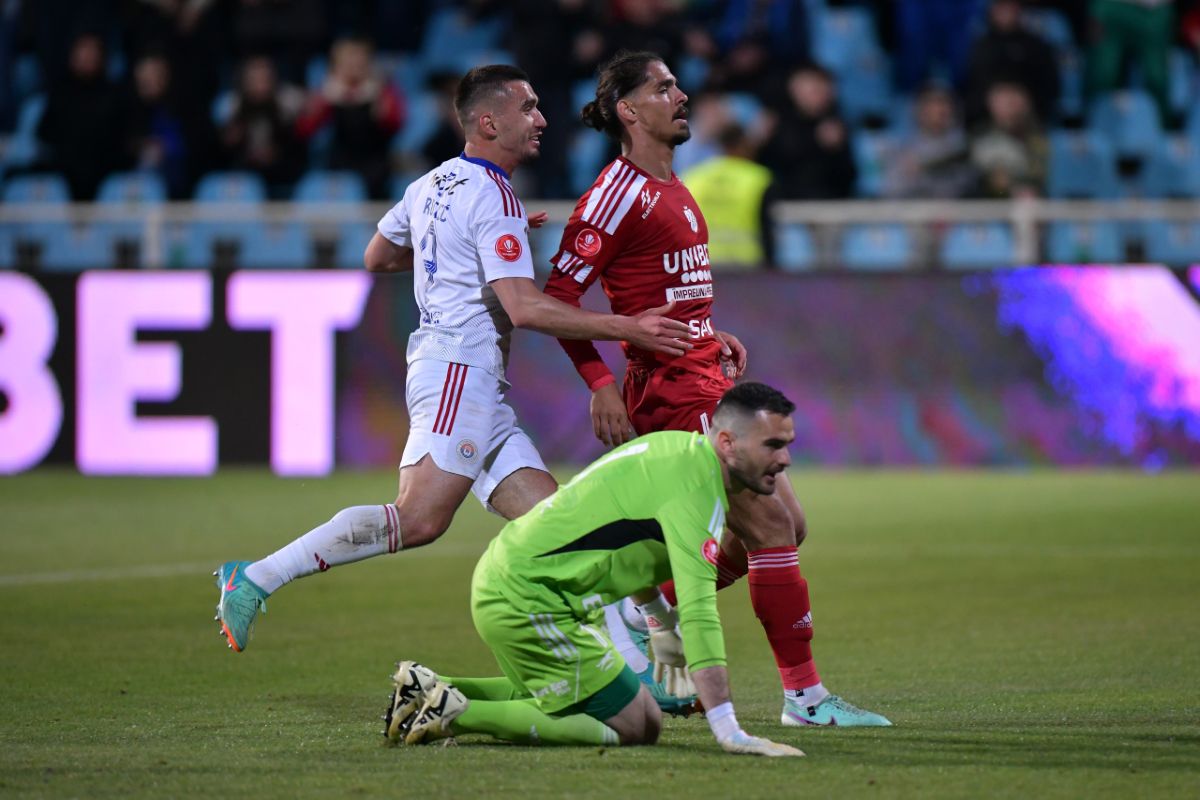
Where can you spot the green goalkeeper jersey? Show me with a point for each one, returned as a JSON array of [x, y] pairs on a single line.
[[650, 510]]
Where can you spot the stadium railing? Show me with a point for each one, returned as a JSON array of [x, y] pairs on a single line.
[[944, 234]]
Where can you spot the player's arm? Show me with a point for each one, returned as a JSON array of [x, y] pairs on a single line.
[[529, 308], [383, 255]]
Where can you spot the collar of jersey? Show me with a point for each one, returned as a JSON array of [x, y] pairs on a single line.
[[674, 178], [483, 162]]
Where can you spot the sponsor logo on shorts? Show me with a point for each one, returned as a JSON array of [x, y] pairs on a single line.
[[467, 449], [508, 247], [709, 550], [588, 243], [559, 688]]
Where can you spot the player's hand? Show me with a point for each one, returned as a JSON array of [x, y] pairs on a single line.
[[610, 420], [655, 331], [743, 743], [538, 219], [733, 354], [667, 646], [676, 680]]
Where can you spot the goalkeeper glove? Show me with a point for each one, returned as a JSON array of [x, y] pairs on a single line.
[[670, 663], [735, 740]]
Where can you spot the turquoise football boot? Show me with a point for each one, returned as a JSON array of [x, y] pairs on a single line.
[[240, 601], [833, 710]]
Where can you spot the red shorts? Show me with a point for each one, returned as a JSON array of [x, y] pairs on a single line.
[[672, 399]]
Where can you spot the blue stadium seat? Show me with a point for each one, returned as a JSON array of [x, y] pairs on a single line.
[[587, 152], [794, 248], [1130, 119], [978, 246], [1172, 243], [1051, 24], [841, 35], [276, 245], [452, 39], [544, 242], [420, 125], [865, 89], [1081, 165], [1084, 243], [73, 248], [871, 149], [23, 148], [747, 110], [877, 247], [1180, 164], [231, 187], [1071, 82], [352, 239], [132, 188], [330, 186], [8, 255], [49, 190]]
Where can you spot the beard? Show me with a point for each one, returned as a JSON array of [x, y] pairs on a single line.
[[680, 137]]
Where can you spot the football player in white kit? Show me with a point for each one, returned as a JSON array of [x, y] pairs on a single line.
[[463, 231]]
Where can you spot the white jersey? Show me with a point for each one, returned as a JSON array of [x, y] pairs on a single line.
[[466, 227]]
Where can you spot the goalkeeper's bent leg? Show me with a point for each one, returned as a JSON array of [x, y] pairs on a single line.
[[500, 688], [521, 721]]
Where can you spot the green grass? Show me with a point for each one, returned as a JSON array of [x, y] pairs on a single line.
[[1030, 634]]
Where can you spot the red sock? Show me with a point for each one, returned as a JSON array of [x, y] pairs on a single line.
[[727, 573], [780, 599]]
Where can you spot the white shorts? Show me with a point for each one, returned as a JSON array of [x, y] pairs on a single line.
[[458, 416]]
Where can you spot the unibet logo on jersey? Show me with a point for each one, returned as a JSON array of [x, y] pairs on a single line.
[[508, 248]]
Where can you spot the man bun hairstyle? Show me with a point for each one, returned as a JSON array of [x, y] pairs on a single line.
[[747, 399], [482, 83], [616, 78]]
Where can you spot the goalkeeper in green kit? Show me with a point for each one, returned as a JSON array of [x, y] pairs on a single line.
[[648, 511]]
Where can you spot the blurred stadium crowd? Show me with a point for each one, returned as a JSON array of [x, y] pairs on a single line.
[[327, 100]]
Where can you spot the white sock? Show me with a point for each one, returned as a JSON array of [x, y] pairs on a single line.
[[620, 638], [808, 696], [353, 534]]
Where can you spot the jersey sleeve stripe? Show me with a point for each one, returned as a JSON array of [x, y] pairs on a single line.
[[618, 214], [582, 274], [599, 193], [611, 197], [503, 196]]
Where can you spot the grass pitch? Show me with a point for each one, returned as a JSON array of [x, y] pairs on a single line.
[[1030, 634]]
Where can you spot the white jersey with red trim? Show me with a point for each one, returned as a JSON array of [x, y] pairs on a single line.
[[466, 228]]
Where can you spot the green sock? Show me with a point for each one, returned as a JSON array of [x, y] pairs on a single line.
[[486, 688], [523, 722]]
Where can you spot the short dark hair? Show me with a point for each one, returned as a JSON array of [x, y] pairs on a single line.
[[479, 83], [751, 397], [616, 78]]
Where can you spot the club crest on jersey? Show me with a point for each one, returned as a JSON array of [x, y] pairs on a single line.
[[588, 243], [508, 248], [467, 450], [691, 218], [709, 550]]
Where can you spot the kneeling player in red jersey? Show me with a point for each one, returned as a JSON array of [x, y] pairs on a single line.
[[640, 232]]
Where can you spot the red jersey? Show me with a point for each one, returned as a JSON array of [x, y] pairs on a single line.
[[647, 242]]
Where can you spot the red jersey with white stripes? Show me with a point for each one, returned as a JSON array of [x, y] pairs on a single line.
[[647, 243]]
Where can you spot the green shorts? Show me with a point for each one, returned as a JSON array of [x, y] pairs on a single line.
[[558, 660]]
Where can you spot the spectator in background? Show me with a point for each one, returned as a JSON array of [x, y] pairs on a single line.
[[708, 115], [758, 42], [732, 190], [190, 33], [260, 133], [1141, 31], [364, 110], [933, 36], [165, 133], [933, 162], [83, 120], [809, 148], [1010, 150], [290, 32], [1010, 52]]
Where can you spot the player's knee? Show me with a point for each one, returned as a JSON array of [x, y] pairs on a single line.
[[645, 727], [420, 528]]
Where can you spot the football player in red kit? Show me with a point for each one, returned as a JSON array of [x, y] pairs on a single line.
[[639, 231]]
